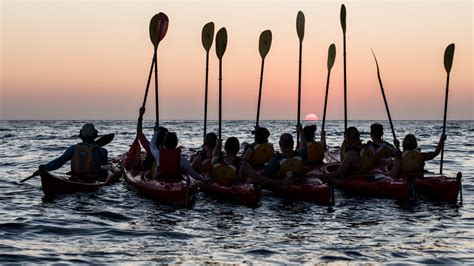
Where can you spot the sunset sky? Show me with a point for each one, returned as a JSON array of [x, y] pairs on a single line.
[[90, 59]]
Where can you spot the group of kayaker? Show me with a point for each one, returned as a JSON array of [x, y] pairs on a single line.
[[259, 161]]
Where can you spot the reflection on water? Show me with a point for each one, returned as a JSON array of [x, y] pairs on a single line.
[[115, 224]]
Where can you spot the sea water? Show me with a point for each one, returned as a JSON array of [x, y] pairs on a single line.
[[115, 224]]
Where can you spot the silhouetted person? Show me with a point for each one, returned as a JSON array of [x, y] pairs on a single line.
[[315, 149], [202, 161], [226, 167], [383, 149], [413, 160], [261, 151]]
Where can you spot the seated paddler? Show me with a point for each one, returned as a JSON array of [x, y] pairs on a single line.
[[284, 166], [202, 161], [261, 151], [87, 158], [357, 159], [412, 160], [226, 166], [315, 149], [170, 163], [383, 149]]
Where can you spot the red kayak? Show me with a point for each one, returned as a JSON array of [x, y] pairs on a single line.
[[307, 188], [55, 185], [177, 192], [241, 193]]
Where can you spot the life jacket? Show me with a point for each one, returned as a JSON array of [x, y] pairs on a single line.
[[82, 162], [315, 152], [412, 162], [225, 174], [367, 158], [293, 165], [383, 151], [169, 164], [262, 153]]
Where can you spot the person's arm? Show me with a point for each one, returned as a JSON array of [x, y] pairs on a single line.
[[184, 164], [303, 142], [248, 154], [431, 155], [57, 163], [153, 148], [216, 154], [343, 169]]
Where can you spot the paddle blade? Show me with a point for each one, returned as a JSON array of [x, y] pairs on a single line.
[[265, 43], [221, 42], [343, 18], [300, 25], [158, 28], [378, 70], [331, 56], [448, 57], [105, 139], [207, 35]]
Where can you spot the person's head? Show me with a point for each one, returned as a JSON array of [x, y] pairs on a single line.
[[88, 132], [376, 131], [308, 132], [210, 140], [170, 140], [232, 146], [261, 135], [286, 142], [161, 136], [352, 136], [409, 142]]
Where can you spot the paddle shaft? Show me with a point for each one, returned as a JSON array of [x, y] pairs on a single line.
[[149, 80], [345, 82], [444, 123], [205, 96], [157, 104], [28, 178], [326, 100], [220, 99], [299, 94], [388, 110], [260, 93]]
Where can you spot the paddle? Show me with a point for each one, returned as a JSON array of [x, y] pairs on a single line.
[[221, 45], [161, 27], [331, 60], [101, 141], [343, 25], [448, 63], [207, 36], [300, 32], [385, 100], [264, 44]]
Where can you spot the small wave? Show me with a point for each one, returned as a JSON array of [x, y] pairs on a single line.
[[115, 217], [262, 252]]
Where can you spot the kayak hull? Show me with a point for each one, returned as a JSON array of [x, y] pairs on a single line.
[[55, 185], [242, 193], [176, 192]]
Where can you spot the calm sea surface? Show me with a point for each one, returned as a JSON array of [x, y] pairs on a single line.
[[117, 225]]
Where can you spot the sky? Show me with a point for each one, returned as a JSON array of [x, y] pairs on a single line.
[[90, 59]]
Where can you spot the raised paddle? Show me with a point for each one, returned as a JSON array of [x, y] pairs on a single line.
[[221, 45], [300, 32], [385, 101], [343, 25], [161, 27], [448, 63], [331, 60], [264, 44], [101, 141], [207, 36]]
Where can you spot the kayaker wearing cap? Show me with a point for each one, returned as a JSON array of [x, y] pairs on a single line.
[[383, 149], [358, 158], [86, 157], [226, 167], [284, 165], [261, 151], [315, 149], [413, 160], [168, 158], [202, 161]]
